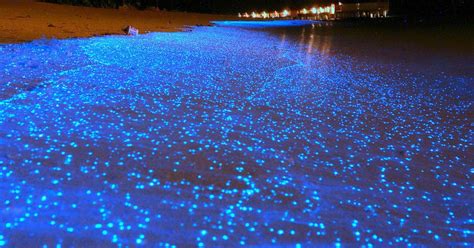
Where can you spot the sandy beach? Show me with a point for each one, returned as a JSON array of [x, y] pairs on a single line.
[[26, 20]]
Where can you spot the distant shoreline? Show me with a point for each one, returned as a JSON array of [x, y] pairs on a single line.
[[27, 20]]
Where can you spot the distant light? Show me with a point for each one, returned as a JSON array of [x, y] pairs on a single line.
[[304, 11], [275, 14], [314, 10], [285, 13]]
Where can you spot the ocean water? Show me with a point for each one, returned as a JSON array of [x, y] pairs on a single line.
[[287, 134]]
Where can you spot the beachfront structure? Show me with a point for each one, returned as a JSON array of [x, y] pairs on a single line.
[[328, 11], [375, 9]]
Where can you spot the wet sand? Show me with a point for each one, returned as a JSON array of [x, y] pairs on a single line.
[[27, 20], [306, 135]]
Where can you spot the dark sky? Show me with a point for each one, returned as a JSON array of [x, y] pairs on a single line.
[[421, 7], [403, 7], [233, 6]]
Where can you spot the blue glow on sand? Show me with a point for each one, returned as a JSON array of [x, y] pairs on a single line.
[[223, 137]]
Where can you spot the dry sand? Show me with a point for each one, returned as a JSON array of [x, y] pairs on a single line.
[[26, 20]]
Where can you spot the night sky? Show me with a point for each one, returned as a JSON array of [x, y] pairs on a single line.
[[399, 7], [418, 6]]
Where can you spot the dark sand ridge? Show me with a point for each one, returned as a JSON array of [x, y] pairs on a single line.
[[26, 20]]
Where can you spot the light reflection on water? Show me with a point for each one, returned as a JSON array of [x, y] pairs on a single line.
[[233, 135]]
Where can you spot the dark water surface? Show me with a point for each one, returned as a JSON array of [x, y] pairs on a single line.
[[253, 134]]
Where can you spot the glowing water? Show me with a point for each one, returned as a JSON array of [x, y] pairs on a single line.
[[226, 136]]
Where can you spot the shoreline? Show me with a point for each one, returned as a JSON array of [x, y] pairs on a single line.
[[28, 20]]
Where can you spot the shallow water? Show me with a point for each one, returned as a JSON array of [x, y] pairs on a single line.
[[238, 134]]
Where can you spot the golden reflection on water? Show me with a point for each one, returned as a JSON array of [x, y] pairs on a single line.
[[310, 40]]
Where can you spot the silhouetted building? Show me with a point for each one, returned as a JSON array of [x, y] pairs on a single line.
[[326, 11]]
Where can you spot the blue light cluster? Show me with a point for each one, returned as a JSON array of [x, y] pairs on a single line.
[[224, 137]]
